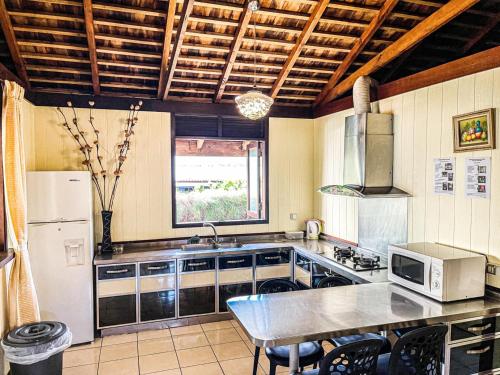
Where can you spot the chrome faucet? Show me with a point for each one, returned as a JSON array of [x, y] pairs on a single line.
[[216, 237]]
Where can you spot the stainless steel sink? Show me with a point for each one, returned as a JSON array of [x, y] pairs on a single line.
[[210, 246]]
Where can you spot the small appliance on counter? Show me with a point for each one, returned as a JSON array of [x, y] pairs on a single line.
[[313, 229], [441, 272]]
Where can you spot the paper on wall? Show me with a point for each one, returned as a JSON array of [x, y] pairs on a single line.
[[444, 176], [477, 177]]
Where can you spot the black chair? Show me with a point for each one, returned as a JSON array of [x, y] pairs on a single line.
[[357, 358], [310, 353], [418, 352], [333, 281]]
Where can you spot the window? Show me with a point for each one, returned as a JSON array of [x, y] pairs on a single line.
[[219, 170]]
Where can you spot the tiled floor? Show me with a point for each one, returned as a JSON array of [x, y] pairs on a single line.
[[219, 348]]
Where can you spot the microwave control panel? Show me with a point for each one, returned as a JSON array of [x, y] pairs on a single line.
[[436, 277]]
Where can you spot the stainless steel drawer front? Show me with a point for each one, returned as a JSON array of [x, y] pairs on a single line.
[[196, 265], [229, 262], [475, 328], [273, 258], [119, 271], [157, 268]]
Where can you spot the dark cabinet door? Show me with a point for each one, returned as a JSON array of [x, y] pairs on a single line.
[[157, 305], [199, 300], [117, 310], [273, 257], [234, 290], [260, 282], [474, 328], [474, 358]]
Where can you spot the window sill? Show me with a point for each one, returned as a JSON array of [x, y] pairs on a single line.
[[222, 223]]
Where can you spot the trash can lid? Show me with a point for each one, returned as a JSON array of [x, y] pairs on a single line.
[[35, 334]]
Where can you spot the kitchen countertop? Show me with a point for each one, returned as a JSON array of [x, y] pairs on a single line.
[[320, 251], [319, 314]]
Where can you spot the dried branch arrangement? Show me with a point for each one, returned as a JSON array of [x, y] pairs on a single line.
[[92, 151]]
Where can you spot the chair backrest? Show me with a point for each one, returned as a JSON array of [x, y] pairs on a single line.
[[277, 286], [419, 352], [356, 358], [332, 281]]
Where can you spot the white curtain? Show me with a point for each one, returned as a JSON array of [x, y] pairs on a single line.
[[22, 299]]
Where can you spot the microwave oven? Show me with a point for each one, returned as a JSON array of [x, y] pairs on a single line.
[[441, 272]]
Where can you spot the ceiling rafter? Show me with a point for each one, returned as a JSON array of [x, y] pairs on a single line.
[[167, 40], [432, 23], [181, 29], [12, 44], [309, 27], [245, 17], [489, 26], [89, 28], [360, 44]]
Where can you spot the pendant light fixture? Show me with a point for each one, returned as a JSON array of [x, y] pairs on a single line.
[[254, 104]]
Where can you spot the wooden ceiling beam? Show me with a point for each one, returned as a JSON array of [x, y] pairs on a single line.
[[181, 30], [57, 69], [10, 38], [89, 28], [56, 45], [245, 17], [49, 30], [297, 49], [167, 41], [47, 16], [60, 81], [54, 57], [128, 52], [476, 38], [432, 23], [358, 47], [129, 64]]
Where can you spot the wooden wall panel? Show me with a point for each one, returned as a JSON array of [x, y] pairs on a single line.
[[142, 207], [423, 131]]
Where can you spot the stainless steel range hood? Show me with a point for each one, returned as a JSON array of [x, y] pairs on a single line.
[[368, 158]]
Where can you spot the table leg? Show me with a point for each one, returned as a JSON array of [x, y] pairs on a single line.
[[294, 359]]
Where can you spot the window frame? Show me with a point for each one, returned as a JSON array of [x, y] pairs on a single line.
[[265, 174]]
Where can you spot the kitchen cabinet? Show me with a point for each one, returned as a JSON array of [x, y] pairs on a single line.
[[157, 291], [235, 276], [197, 282], [116, 295], [302, 271], [473, 346], [274, 264]]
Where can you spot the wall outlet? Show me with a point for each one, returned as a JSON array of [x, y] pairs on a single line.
[[293, 216]]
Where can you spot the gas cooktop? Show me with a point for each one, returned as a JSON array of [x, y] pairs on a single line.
[[357, 259]]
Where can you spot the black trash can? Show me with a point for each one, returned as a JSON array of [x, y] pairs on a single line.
[[36, 348]]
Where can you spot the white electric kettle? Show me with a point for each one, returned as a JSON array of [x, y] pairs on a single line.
[[313, 229]]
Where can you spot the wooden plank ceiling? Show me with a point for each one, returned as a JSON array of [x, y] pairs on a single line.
[[203, 50]]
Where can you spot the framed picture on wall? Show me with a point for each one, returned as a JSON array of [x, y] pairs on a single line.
[[474, 131]]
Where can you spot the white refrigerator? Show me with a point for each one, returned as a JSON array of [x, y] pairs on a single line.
[[60, 244]]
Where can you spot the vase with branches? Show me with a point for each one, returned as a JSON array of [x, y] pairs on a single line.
[[90, 148]]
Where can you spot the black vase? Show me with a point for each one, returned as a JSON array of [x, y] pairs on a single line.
[[106, 244]]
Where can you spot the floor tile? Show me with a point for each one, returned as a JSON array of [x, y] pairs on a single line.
[[81, 370], [95, 344], [196, 356], [207, 369], [216, 325], [158, 362], [186, 330], [235, 323], [127, 366], [119, 339], [153, 334], [176, 371], [190, 341], [155, 346], [81, 357], [118, 351], [231, 350], [242, 334], [250, 346], [264, 364], [222, 336], [239, 366]]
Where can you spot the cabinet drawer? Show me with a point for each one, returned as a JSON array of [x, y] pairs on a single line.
[[157, 268], [116, 287], [244, 261], [195, 279], [272, 258], [196, 265], [476, 357], [157, 305], [302, 262], [155, 283], [114, 311], [271, 272], [233, 276], [119, 271], [474, 328]]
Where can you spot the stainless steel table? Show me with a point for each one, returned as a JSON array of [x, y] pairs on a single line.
[[310, 315]]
